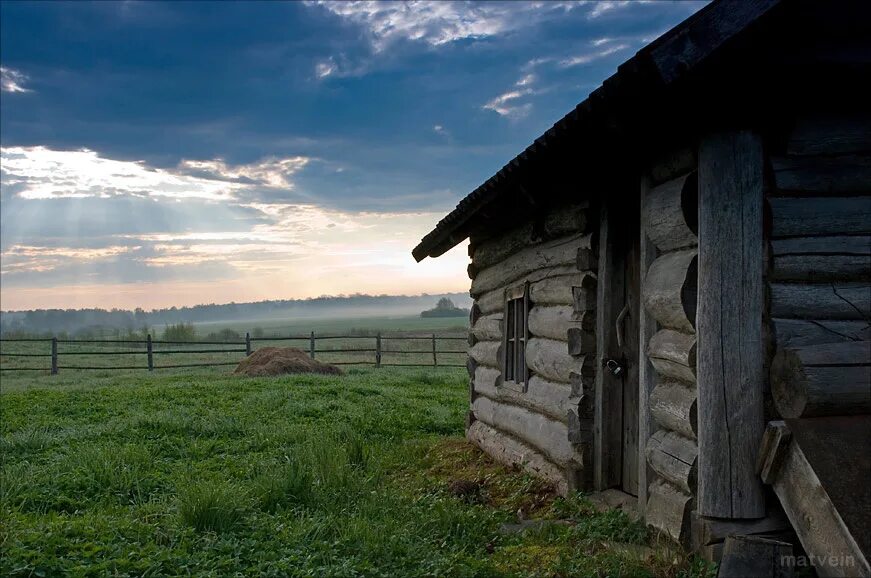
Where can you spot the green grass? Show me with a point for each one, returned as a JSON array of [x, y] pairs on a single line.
[[191, 473], [359, 347]]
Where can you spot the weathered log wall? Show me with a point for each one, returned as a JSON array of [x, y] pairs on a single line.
[[544, 425], [670, 225], [819, 268]]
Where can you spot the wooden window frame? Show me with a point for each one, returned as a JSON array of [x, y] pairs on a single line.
[[515, 370]]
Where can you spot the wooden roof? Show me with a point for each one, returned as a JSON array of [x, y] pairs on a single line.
[[606, 119]]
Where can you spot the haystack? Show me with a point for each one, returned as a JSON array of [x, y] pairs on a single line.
[[280, 361]]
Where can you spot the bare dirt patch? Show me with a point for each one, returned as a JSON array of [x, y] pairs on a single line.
[[270, 361]]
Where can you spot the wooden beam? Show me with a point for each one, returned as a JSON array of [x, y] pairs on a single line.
[[730, 353], [825, 379], [646, 375], [818, 468]]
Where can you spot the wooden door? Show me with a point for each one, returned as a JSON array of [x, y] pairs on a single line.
[[619, 298]]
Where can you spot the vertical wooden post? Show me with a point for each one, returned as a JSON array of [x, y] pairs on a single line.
[[312, 345], [646, 374], [435, 360], [247, 344], [730, 357], [54, 355], [150, 349], [378, 350]]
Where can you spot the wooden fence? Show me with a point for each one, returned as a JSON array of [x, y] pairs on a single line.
[[65, 348]]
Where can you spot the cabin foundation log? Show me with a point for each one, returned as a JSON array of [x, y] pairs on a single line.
[[512, 452], [550, 437], [668, 510]]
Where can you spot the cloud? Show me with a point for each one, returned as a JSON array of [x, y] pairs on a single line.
[[505, 104], [441, 22], [43, 173], [13, 80], [589, 57], [604, 6], [124, 223], [325, 68]]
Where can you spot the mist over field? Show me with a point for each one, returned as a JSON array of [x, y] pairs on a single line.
[[75, 321]]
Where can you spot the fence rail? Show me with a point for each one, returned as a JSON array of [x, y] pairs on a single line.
[[432, 351]]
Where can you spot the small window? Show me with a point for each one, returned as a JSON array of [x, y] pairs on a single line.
[[516, 335]]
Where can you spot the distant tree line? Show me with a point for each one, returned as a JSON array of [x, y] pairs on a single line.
[[121, 323], [445, 308]]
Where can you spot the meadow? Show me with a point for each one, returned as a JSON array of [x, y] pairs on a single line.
[[203, 473], [405, 340]]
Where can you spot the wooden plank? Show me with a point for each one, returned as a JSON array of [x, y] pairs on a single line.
[[730, 364], [829, 245], [821, 300], [669, 291], [831, 134], [671, 216], [820, 268], [815, 514], [646, 376], [809, 216], [631, 348], [799, 332], [713, 530], [840, 175], [563, 251], [825, 379], [608, 401]]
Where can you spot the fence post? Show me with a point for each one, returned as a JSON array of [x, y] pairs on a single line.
[[378, 350], [312, 345], [435, 360], [54, 355], [247, 344], [150, 350]]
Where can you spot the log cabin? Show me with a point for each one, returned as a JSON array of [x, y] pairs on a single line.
[[681, 260]]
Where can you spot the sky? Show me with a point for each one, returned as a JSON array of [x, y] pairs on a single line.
[[159, 154]]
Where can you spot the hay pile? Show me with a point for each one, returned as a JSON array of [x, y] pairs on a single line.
[[280, 361]]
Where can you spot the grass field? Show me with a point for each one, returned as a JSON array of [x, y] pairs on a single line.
[[360, 475], [396, 332]]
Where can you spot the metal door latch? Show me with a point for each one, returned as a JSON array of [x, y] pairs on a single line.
[[614, 366]]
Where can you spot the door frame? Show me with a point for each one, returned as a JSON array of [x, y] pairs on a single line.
[[618, 241]]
